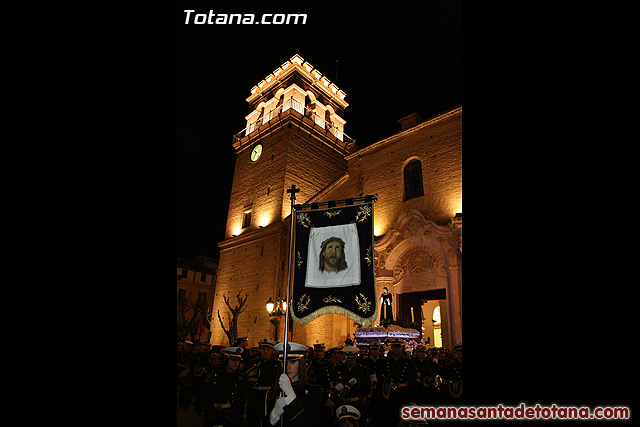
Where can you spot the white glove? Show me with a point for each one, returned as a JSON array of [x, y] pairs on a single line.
[[352, 382], [339, 387], [277, 411], [287, 388]]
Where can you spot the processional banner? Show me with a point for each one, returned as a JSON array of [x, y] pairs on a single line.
[[333, 264]]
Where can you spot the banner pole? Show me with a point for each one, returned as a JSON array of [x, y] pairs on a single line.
[[293, 190]]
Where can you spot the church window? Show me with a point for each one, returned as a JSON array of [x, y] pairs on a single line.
[[413, 180], [246, 219]]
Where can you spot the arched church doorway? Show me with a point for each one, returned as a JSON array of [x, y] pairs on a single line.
[[420, 308]]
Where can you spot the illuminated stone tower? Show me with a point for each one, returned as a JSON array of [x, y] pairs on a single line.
[[294, 135]]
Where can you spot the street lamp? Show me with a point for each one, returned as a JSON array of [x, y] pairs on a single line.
[[270, 306], [275, 312]]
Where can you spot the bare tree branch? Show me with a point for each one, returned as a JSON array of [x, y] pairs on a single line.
[[232, 333], [227, 333]]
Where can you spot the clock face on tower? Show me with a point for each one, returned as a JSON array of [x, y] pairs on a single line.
[[255, 153]]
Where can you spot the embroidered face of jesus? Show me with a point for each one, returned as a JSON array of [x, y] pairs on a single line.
[[332, 257]]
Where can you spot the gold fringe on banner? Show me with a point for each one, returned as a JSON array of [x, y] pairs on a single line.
[[334, 309]]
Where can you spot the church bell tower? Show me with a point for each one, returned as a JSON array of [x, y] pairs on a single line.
[[294, 134]]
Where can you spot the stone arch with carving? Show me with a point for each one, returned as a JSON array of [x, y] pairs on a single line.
[[416, 254]]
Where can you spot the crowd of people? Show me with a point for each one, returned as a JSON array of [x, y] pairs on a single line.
[[344, 386]]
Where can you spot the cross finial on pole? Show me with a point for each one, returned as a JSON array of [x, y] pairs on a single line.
[[293, 190]]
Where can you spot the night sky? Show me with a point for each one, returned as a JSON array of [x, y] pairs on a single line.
[[391, 60]]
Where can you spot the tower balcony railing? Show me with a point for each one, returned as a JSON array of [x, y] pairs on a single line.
[[305, 111]]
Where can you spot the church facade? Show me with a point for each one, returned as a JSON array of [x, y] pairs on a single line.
[[295, 136]]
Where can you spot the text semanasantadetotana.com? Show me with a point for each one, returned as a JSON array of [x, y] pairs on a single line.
[[522, 412]]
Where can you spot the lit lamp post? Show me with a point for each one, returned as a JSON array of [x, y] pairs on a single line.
[[275, 312], [270, 306]]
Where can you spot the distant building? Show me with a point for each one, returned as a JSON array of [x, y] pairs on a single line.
[[196, 284], [295, 135]]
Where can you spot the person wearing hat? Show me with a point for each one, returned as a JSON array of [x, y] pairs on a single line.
[[199, 362], [315, 366], [453, 375], [424, 375], [458, 352], [181, 362], [214, 362], [357, 389], [331, 374], [184, 384], [243, 342], [398, 379], [363, 354], [348, 416], [374, 364], [187, 377], [261, 375], [226, 391], [293, 401], [435, 380]]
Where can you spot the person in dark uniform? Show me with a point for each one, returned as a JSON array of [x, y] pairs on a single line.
[[184, 384], [293, 399], [200, 361], [348, 416], [225, 392], [261, 375], [187, 377], [215, 355], [243, 343], [453, 375], [374, 365], [435, 359], [314, 367], [214, 363], [424, 376], [181, 362], [363, 355], [357, 390], [398, 378], [332, 373], [374, 357]]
